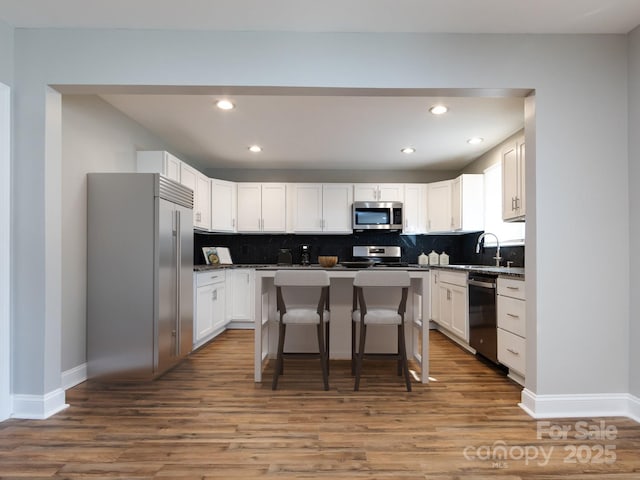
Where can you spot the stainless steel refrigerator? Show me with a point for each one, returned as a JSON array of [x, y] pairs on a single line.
[[139, 274]]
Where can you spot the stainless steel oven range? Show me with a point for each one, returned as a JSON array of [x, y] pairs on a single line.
[[379, 256]]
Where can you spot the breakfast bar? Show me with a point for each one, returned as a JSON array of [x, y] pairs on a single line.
[[382, 339]]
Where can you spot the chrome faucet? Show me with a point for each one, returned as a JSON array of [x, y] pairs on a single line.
[[497, 258]]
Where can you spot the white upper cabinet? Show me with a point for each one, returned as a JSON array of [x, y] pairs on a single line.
[[513, 181], [439, 206], [415, 208], [456, 205], [200, 184], [223, 206], [306, 205], [159, 162], [261, 207], [337, 201], [382, 192], [467, 203], [319, 208]]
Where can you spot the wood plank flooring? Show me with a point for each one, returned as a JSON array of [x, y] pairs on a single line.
[[207, 419]]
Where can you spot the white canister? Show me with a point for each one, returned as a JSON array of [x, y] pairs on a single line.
[[423, 260], [444, 259], [434, 258]]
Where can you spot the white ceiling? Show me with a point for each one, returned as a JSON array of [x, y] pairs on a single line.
[[325, 131], [318, 129], [451, 16]]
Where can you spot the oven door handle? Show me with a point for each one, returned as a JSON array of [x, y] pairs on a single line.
[[477, 283]]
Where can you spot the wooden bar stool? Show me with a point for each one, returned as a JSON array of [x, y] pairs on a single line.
[[288, 283], [364, 316]]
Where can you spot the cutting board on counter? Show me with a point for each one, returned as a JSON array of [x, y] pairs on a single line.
[[217, 255]]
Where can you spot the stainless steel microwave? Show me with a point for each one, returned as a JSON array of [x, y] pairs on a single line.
[[377, 216]]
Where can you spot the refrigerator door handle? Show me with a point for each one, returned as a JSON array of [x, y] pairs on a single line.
[[178, 254]]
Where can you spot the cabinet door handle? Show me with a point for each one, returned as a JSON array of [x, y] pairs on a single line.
[[214, 295], [233, 222], [513, 315], [510, 350]]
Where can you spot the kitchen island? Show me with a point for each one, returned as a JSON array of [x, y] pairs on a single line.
[[381, 339]]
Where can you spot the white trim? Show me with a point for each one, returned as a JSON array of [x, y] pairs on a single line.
[[581, 405], [241, 325], [38, 407], [634, 408], [5, 252], [74, 376]]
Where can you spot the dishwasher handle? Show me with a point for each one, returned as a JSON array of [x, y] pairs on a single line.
[[478, 283]]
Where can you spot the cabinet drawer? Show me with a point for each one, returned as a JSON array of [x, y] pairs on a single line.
[[512, 315], [512, 351], [511, 288], [207, 278], [455, 278]]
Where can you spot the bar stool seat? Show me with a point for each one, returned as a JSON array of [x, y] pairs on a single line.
[[364, 316], [289, 284], [379, 316], [304, 316]]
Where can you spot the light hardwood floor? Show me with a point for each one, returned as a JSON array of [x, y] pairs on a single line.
[[207, 419]]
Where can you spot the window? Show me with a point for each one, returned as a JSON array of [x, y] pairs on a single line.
[[508, 233]]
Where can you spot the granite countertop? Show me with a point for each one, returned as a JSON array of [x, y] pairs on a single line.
[[501, 271], [517, 272], [205, 268]]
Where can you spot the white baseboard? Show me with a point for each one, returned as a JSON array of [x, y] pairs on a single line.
[[581, 405], [241, 325], [38, 407], [634, 408], [74, 376]]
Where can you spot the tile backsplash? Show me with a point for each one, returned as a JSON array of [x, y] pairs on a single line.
[[263, 249]]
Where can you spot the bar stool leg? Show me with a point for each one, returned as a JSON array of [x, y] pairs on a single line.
[[328, 350], [399, 350], [363, 334], [279, 368], [323, 357], [353, 348], [403, 354]]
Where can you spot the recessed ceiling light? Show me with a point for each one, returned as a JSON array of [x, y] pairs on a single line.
[[475, 140], [225, 105], [408, 150], [255, 148], [438, 109]]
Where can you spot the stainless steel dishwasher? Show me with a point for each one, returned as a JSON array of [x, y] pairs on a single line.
[[482, 315]]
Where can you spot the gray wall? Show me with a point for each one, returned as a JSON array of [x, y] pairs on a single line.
[[634, 200], [578, 352], [95, 138], [6, 54], [493, 156]]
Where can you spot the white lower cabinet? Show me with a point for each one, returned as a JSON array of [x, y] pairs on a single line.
[[210, 306], [450, 302], [240, 287], [512, 327]]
